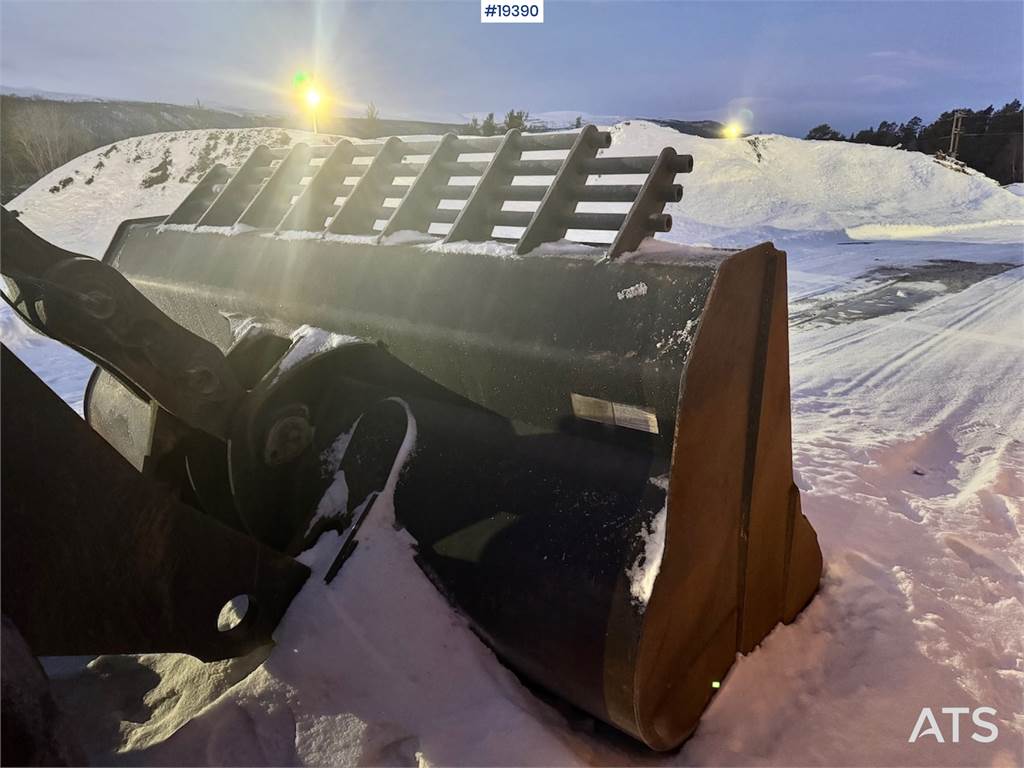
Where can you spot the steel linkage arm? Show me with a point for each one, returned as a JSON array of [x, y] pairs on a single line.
[[92, 307], [98, 558]]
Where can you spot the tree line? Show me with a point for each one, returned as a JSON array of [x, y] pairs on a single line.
[[991, 140], [514, 118], [489, 126]]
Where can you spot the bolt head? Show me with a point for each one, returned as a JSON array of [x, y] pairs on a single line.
[[202, 380], [98, 304], [287, 439]]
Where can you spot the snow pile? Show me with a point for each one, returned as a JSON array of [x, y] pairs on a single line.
[[144, 176], [908, 435], [372, 669], [743, 188]]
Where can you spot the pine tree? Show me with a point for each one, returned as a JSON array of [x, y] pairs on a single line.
[[824, 132], [908, 132], [514, 119], [488, 127]]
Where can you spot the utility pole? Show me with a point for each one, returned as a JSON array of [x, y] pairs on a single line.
[[954, 136]]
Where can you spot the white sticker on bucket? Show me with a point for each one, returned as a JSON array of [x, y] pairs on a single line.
[[618, 414], [634, 417], [640, 289]]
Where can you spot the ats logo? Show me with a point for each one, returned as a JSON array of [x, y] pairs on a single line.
[[928, 725]]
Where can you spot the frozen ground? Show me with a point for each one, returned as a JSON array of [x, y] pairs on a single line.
[[907, 333]]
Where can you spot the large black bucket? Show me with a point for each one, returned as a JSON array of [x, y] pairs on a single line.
[[602, 474], [602, 478]]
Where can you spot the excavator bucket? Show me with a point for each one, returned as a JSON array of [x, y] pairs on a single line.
[[601, 479]]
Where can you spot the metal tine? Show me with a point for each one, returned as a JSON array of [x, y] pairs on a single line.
[[227, 206], [463, 191], [512, 218], [273, 198], [402, 168], [366, 148], [476, 219], [549, 223], [592, 166], [422, 198], [610, 221], [313, 200], [531, 142], [420, 147], [200, 197], [589, 193], [444, 216], [358, 213], [646, 215], [467, 167]]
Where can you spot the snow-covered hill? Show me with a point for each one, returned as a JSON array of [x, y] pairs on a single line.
[[83, 201], [765, 183], [907, 340]]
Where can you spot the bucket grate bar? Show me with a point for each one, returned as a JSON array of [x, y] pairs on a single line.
[[229, 204], [550, 222], [274, 196], [476, 221], [647, 215], [199, 199], [359, 211], [314, 205], [420, 201]]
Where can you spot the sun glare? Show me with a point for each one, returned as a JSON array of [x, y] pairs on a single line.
[[732, 130], [312, 97]]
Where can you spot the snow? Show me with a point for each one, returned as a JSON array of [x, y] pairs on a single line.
[[335, 498], [85, 216], [644, 572], [773, 186], [908, 442], [308, 341], [996, 230], [234, 229], [407, 237]]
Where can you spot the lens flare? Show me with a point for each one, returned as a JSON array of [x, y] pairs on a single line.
[[732, 130], [312, 97]]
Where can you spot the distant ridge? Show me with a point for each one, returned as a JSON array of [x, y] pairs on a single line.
[[708, 129]]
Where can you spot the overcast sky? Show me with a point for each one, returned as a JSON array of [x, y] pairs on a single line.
[[792, 65]]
